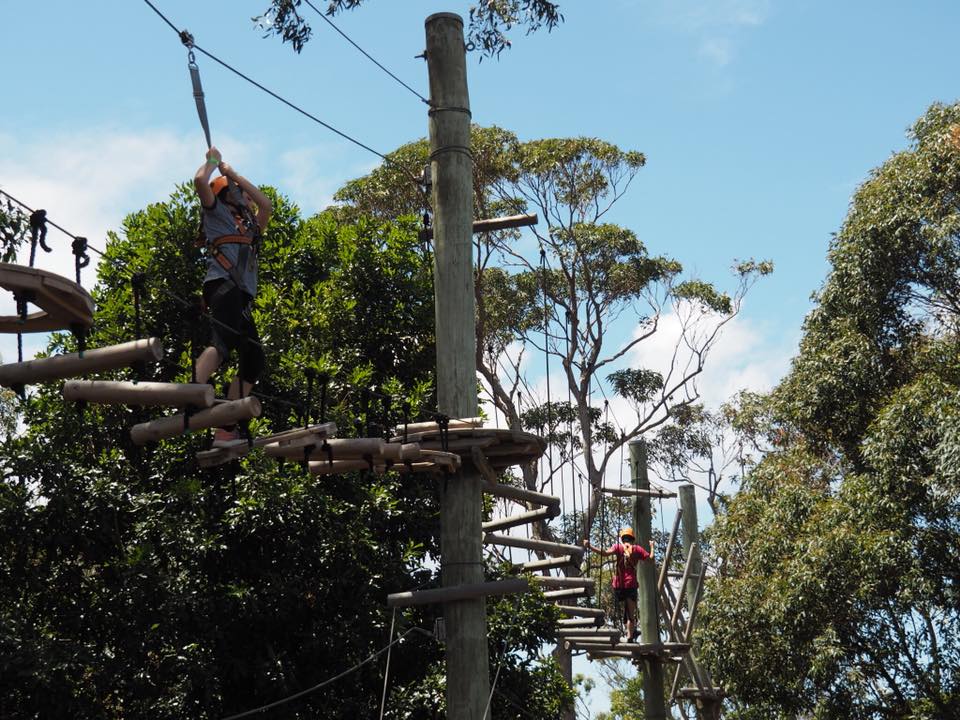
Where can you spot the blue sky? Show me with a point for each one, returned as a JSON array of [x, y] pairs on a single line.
[[758, 118]]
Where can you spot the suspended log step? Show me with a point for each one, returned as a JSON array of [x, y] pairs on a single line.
[[220, 415], [544, 546], [548, 564], [60, 367], [580, 622], [219, 456], [637, 492], [577, 611], [568, 593], [62, 302], [433, 426], [519, 494], [589, 634], [459, 592], [587, 644], [551, 511], [490, 224], [503, 448], [564, 582], [111, 392], [428, 462], [707, 693], [341, 449]]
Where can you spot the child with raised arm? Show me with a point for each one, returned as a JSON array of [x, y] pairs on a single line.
[[625, 577], [235, 213]]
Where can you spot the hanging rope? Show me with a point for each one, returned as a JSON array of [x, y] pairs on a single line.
[[80, 257], [386, 672], [38, 233]]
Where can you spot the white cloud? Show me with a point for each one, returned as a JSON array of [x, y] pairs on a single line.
[[715, 25]]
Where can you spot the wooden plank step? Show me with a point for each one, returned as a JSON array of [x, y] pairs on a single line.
[[544, 546], [148, 394], [564, 582], [578, 611], [71, 365], [590, 634], [519, 494], [568, 593], [637, 492], [459, 592], [227, 413], [580, 622], [525, 518], [549, 563], [219, 456]]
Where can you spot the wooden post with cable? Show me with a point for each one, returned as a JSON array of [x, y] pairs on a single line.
[[451, 170], [653, 701], [708, 708]]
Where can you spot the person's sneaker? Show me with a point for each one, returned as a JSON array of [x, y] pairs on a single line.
[[226, 438], [634, 636]]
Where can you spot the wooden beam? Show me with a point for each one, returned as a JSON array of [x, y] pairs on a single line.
[[564, 582], [228, 413], [568, 593], [491, 224], [342, 448], [594, 633], [668, 555], [577, 611], [520, 494], [532, 516], [110, 392], [550, 548], [580, 622], [637, 492], [548, 563], [456, 593], [63, 302], [433, 426], [60, 367], [219, 456]]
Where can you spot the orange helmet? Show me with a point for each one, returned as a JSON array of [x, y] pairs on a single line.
[[218, 184], [627, 532]]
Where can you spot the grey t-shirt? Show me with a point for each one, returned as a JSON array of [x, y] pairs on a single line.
[[222, 220]]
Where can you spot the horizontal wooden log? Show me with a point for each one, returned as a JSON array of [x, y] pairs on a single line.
[[228, 413], [432, 425], [544, 546], [594, 634], [491, 224], [520, 494], [219, 456], [568, 593], [548, 563], [580, 622], [531, 516], [583, 644], [60, 367], [707, 693], [577, 611], [564, 582], [110, 392], [342, 448], [637, 492], [458, 592]]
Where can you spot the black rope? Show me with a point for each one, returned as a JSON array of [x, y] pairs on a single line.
[[365, 53], [80, 257], [38, 233]]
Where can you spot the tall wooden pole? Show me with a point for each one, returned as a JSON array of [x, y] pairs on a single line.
[[451, 169], [653, 702], [707, 708]]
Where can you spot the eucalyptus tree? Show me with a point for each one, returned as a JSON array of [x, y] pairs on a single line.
[[838, 596]]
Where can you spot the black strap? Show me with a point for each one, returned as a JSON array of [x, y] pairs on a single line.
[[38, 233], [81, 259]]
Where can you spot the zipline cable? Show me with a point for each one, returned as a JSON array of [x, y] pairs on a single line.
[[187, 40], [365, 53]]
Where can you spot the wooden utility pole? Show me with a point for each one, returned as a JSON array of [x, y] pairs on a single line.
[[653, 702], [708, 708], [451, 170]]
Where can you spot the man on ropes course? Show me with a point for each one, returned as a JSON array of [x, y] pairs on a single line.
[[625, 578], [235, 213]]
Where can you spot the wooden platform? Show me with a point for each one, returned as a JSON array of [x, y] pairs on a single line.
[[62, 302], [429, 461], [313, 433], [502, 448]]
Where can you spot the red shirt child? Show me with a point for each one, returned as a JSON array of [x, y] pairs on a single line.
[[628, 555]]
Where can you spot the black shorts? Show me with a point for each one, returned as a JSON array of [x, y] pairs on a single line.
[[232, 327], [623, 594]]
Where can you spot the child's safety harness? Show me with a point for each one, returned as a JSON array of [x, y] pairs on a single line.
[[249, 243]]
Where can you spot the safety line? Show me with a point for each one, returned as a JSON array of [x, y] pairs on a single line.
[[328, 681], [193, 46], [365, 53]]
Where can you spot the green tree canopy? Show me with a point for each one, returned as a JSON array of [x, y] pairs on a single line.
[[838, 596]]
